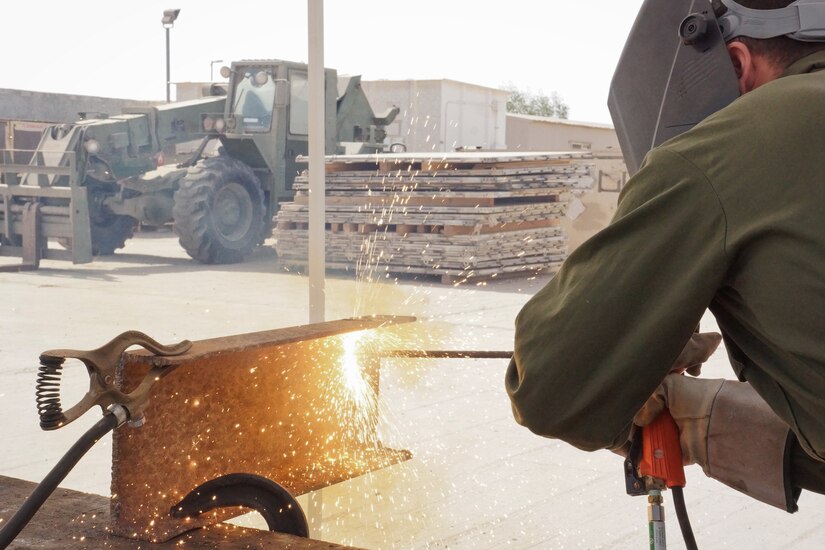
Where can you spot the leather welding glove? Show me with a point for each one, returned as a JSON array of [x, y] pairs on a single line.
[[731, 432], [697, 350]]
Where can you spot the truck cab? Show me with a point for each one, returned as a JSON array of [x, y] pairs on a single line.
[[265, 122]]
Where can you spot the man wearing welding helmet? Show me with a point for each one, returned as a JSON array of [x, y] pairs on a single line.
[[726, 214]]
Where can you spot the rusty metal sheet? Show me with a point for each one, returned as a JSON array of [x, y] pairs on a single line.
[[295, 405], [80, 521]]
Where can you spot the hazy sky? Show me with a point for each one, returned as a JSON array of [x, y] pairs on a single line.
[[117, 47]]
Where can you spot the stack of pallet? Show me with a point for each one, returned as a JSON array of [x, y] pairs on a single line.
[[455, 215]]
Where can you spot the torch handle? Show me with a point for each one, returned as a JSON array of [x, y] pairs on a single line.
[[662, 452]]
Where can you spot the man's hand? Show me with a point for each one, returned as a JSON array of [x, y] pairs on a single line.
[[698, 349], [730, 431], [690, 402]]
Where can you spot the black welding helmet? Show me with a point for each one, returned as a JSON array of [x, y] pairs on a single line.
[[675, 71]]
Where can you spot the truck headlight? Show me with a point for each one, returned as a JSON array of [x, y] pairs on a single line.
[[92, 146], [208, 123], [220, 125]]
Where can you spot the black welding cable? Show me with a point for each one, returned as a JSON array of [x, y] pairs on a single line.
[[26, 512], [684, 520]]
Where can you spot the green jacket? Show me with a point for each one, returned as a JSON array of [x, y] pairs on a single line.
[[728, 216]]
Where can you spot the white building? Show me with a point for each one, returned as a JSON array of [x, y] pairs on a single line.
[[441, 115]]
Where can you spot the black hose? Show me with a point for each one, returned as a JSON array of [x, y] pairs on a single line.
[[277, 506], [684, 520], [26, 512]]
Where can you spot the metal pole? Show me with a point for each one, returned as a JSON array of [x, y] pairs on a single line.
[[168, 74], [317, 184], [317, 139]]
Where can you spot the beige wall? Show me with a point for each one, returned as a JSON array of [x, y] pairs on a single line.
[[529, 133], [185, 91], [23, 105]]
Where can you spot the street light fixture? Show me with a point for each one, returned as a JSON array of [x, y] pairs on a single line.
[[212, 68], [168, 21]]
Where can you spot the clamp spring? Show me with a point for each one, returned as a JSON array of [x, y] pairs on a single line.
[[47, 392], [101, 365]]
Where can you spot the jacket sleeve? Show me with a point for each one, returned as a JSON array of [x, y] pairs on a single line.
[[593, 345]]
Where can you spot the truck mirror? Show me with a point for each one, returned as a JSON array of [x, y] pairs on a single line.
[[226, 72]]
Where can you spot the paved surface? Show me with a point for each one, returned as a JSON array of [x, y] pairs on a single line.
[[477, 479]]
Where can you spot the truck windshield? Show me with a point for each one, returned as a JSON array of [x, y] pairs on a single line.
[[254, 100]]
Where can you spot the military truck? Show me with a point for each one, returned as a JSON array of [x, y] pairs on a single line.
[[90, 183]]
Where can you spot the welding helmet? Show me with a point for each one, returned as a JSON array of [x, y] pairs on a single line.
[[675, 70]]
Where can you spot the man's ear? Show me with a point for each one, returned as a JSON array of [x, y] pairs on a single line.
[[743, 64]]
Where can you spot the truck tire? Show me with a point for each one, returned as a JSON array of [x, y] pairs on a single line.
[[109, 231], [219, 211]]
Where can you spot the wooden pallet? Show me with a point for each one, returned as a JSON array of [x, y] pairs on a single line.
[[442, 274], [462, 215], [486, 160], [441, 197], [423, 249], [406, 219]]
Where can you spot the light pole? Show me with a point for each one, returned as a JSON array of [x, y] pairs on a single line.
[[317, 168], [212, 68], [168, 21]]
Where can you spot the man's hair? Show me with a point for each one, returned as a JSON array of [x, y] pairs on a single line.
[[781, 50]]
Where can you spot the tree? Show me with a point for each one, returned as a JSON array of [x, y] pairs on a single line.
[[540, 104]]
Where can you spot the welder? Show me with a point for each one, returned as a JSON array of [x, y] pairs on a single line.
[[724, 213]]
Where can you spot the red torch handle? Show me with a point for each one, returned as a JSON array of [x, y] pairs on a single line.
[[661, 451]]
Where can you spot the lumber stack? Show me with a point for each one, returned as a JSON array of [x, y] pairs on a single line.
[[455, 215]]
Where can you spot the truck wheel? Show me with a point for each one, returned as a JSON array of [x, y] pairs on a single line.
[[219, 211], [109, 231]]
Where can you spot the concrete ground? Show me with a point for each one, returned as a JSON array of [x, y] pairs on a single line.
[[477, 480]]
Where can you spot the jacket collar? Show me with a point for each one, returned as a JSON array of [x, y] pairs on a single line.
[[808, 64]]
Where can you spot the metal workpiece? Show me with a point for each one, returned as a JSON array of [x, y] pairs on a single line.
[[297, 406]]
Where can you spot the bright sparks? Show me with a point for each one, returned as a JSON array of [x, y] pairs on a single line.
[[358, 407], [357, 387]]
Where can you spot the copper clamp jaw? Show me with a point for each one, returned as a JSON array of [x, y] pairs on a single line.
[[101, 364]]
